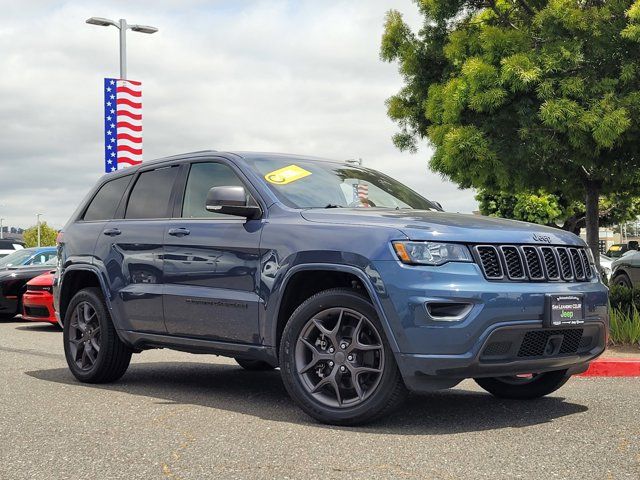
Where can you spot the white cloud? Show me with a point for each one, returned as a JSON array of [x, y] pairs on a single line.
[[287, 76]]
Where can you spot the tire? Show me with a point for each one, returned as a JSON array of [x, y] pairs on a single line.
[[323, 382], [88, 329], [254, 365], [519, 388], [622, 280]]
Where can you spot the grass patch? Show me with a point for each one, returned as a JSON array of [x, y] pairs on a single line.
[[625, 326]]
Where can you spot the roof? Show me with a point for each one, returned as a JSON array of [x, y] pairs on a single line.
[[245, 155]]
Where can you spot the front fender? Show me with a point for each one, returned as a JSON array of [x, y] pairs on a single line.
[[369, 278]]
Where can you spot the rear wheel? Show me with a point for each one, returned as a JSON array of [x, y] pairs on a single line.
[[254, 365], [336, 362], [534, 385], [94, 352]]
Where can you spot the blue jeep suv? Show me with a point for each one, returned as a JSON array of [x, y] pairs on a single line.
[[355, 286]]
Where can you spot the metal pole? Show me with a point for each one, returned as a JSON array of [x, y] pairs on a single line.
[[1, 229], [123, 49], [38, 223]]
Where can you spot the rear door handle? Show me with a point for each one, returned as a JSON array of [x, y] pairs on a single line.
[[112, 232], [179, 232]]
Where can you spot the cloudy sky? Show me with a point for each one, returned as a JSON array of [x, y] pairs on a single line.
[[270, 75]]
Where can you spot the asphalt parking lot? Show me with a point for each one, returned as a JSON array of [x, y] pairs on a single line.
[[176, 415]]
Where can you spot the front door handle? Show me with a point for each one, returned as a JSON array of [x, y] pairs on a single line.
[[179, 232], [112, 232]]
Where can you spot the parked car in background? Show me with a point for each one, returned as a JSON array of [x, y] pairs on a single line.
[[605, 266], [617, 250], [357, 287], [8, 246], [37, 301], [625, 270], [13, 285], [28, 256]]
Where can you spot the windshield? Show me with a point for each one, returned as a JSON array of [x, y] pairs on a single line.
[[311, 184], [16, 258]]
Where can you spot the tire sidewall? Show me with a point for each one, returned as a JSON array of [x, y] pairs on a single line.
[[330, 299], [95, 300], [623, 280]]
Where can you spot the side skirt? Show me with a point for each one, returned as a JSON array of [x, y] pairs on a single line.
[[145, 341]]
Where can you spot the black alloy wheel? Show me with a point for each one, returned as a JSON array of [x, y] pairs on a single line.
[[340, 358], [93, 350], [336, 362]]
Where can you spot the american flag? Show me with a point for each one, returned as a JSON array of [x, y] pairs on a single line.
[[122, 124], [361, 194]]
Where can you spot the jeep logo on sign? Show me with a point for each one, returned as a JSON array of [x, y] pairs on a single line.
[[542, 238]]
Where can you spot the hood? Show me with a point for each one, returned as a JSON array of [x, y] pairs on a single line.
[[44, 280], [456, 227], [25, 272]]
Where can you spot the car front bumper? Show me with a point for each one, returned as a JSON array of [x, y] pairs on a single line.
[[502, 334], [38, 307]]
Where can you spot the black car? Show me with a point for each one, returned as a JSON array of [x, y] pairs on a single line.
[[13, 284]]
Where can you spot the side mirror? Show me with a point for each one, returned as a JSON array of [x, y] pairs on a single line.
[[231, 201]]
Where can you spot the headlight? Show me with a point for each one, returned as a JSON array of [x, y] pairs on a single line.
[[431, 253]]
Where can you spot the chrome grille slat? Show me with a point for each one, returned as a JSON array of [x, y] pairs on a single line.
[[565, 263], [550, 263], [513, 262], [534, 263], [490, 261], [578, 267]]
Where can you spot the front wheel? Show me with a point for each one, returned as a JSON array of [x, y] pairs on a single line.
[[94, 352], [521, 387], [622, 280], [336, 362]]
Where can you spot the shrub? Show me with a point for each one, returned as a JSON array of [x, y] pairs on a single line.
[[624, 299], [625, 326]]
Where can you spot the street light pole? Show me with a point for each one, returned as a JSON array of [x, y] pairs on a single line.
[[38, 215], [1, 228], [123, 26]]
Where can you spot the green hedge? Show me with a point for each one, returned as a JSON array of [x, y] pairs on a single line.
[[624, 315]]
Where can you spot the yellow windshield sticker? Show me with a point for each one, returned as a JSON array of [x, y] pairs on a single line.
[[615, 247], [285, 175]]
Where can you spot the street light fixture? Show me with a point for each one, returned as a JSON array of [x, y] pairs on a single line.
[[123, 26]]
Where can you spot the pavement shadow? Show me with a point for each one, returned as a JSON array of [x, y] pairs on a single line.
[[44, 327], [263, 395]]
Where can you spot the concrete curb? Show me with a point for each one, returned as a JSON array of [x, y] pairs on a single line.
[[613, 367]]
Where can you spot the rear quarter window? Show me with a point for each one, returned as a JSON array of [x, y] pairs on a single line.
[[151, 193], [105, 202]]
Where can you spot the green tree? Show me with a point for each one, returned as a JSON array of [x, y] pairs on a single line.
[[522, 95], [556, 210], [48, 235]]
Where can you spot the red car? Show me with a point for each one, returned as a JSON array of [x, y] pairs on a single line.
[[37, 301]]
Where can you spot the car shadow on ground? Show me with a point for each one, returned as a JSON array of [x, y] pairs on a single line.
[[44, 327], [262, 394]]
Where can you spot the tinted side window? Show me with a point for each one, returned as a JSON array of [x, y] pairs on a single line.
[[105, 203], [203, 177], [151, 194]]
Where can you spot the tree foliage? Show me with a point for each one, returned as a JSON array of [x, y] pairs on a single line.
[[556, 209], [48, 236], [523, 95]]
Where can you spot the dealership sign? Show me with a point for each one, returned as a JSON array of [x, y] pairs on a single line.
[[122, 124]]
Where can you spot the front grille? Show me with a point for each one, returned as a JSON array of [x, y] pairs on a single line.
[[497, 349], [535, 342], [36, 311], [534, 263], [490, 261]]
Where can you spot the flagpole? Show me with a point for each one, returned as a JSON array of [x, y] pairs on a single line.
[[123, 49]]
